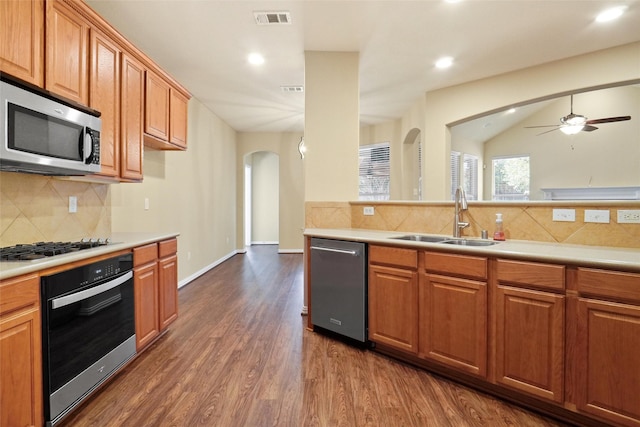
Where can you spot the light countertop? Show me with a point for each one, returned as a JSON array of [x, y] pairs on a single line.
[[121, 241], [588, 256]]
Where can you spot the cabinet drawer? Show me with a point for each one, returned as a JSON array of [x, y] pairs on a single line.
[[145, 254], [19, 292], [167, 247], [547, 276], [460, 265], [393, 256], [612, 284]]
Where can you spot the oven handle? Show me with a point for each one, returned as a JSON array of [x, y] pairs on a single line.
[[79, 296]]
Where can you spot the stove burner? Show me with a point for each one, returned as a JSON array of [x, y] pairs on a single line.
[[46, 249]]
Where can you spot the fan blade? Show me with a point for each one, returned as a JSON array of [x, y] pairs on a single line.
[[608, 120], [543, 126], [548, 131], [588, 128]]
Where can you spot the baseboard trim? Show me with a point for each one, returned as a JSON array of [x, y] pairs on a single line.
[[290, 251], [265, 242], [203, 270]]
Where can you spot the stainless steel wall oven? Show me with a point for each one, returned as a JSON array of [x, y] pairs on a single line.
[[88, 330]]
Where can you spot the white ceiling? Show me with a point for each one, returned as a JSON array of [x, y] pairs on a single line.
[[204, 45]]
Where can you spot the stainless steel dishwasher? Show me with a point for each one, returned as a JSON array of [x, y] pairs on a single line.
[[339, 287]]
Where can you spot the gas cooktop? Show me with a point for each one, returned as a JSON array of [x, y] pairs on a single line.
[[46, 249]]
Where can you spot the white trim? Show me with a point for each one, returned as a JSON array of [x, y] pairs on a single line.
[[264, 243], [290, 251], [592, 193], [200, 272]]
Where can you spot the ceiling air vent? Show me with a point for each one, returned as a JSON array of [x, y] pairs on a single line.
[[272, 18], [292, 89]]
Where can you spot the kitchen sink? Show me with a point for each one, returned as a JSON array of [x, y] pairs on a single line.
[[446, 240], [465, 242], [422, 238]]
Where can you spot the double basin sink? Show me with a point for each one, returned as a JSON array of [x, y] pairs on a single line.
[[445, 240]]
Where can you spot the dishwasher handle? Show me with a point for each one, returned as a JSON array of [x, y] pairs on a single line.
[[335, 250]]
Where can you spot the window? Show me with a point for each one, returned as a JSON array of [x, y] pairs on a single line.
[[511, 178], [464, 171], [375, 172], [470, 176], [455, 172]]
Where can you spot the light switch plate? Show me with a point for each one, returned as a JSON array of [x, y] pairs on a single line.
[[596, 215], [567, 215], [368, 210]]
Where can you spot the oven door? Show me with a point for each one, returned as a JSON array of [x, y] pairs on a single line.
[[87, 336]]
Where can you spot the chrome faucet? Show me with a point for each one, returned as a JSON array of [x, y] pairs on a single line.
[[461, 205]]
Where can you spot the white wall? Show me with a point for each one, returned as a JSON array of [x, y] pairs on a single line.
[[265, 194], [331, 123], [191, 192], [291, 184], [454, 104]]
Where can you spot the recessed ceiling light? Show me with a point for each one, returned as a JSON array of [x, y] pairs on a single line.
[[444, 62], [255, 59], [511, 110], [611, 14]]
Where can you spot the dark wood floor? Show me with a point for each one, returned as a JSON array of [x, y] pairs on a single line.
[[239, 355]]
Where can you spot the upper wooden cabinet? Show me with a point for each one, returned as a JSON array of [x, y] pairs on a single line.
[[165, 116], [131, 118], [178, 119], [22, 35], [67, 53], [104, 96]]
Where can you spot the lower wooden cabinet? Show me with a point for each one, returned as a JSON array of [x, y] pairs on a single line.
[[530, 342], [167, 282], [20, 352], [607, 360], [453, 322], [155, 276], [393, 298], [453, 311], [530, 328]]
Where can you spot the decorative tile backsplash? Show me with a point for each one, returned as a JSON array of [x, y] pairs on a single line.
[[35, 208], [521, 221]]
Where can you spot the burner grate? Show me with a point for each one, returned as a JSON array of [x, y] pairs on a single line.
[[26, 252]]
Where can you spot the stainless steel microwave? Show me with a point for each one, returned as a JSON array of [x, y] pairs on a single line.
[[45, 135]]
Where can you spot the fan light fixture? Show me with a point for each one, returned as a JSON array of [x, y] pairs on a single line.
[[571, 129]]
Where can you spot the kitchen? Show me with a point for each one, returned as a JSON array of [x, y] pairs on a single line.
[[214, 170]]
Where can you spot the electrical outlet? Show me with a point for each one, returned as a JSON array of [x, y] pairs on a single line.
[[568, 215], [596, 215], [73, 204], [368, 210], [629, 216]]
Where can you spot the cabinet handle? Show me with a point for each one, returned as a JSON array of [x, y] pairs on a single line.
[[340, 251]]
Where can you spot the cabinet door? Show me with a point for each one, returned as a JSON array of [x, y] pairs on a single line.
[[178, 118], [104, 96], [530, 341], [146, 304], [67, 57], [168, 288], [156, 115], [20, 353], [453, 322], [393, 307], [22, 35], [607, 361], [131, 118]]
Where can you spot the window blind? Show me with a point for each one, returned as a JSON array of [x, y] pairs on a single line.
[[375, 171]]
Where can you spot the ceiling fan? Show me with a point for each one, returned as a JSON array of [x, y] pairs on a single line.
[[574, 123]]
